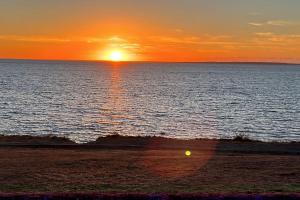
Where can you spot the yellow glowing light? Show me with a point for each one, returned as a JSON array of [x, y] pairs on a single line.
[[116, 56], [188, 153]]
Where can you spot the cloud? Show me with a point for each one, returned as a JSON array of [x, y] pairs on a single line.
[[95, 40], [255, 24], [283, 38], [274, 23], [264, 34], [130, 46], [117, 39], [280, 23], [193, 40], [33, 38], [176, 40], [115, 42], [114, 39]]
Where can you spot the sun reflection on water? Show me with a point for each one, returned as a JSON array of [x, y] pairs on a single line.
[[114, 110]]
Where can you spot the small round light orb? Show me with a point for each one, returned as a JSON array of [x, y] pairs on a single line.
[[188, 153]]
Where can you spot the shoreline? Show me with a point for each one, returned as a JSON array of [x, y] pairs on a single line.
[[49, 139], [130, 142]]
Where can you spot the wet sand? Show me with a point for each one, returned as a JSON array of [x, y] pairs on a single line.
[[148, 165]]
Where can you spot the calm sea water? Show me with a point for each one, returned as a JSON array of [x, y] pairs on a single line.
[[85, 100]]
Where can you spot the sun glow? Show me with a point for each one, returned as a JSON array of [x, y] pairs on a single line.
[[116, 56]]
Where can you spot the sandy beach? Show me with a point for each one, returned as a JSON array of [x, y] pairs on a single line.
[[146, 165]]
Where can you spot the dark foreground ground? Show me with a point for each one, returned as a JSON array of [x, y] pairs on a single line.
[[140, 167]]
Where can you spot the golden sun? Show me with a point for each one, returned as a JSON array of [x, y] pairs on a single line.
[[116, 56]]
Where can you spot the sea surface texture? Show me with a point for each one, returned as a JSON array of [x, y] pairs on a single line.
[[87, 100]]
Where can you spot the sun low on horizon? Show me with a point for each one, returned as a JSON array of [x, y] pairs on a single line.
[[114, 55]]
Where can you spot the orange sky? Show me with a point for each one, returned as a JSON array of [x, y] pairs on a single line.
[[172, 30]]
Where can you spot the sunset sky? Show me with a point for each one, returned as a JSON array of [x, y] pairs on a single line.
[[156, 30]]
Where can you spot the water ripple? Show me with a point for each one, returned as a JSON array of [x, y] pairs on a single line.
[[83, 100]]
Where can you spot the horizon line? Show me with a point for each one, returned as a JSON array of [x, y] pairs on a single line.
[[147, 61]]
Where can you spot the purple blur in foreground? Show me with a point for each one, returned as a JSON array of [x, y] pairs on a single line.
[[132, 196]]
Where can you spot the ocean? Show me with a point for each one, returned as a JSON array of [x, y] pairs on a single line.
[[86, 100]]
